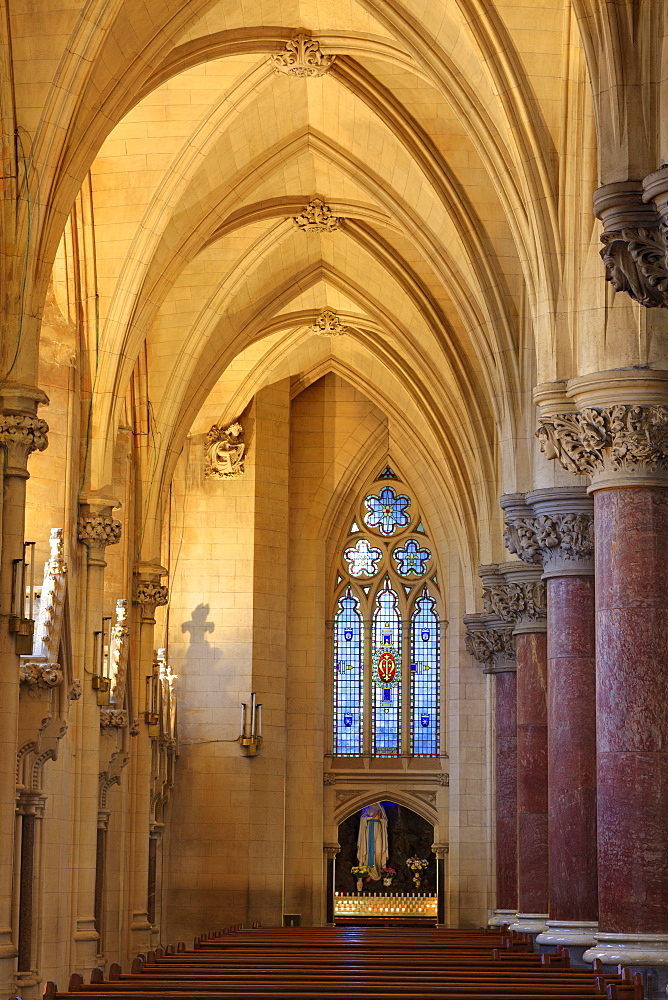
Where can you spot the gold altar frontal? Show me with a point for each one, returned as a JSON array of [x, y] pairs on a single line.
[[399, 906]]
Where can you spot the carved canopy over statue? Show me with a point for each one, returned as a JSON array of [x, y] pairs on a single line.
[[372, 844], [224, 458]]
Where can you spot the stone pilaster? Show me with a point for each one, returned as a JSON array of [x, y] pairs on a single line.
[[491, 642], [96, 529], [21, 433], [613, 427]]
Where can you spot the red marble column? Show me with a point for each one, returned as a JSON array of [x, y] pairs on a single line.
[[506, 790], [572, 749], [632, 708], [532, 773]]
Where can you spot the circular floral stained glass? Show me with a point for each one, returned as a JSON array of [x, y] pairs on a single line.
[[362, 558], [411, 558], [387, 511]]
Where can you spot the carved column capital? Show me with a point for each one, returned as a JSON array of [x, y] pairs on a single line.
[[331, 850], [39, 675], [97, 529], [440, 850], [490, 643], [30, 802], [20, 435], [103, 819], [552, 528], [522, 599], [615, 445], [149, 596], [113, 718]]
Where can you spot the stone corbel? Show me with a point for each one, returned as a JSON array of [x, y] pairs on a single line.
[[317, 217], [224, 452], [150, 593], [635, 240]]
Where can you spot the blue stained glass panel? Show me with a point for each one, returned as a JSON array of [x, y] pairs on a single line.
[[411, 558], [425, 679], [348, 677], [388, 473], [386, 511], [386, 673]]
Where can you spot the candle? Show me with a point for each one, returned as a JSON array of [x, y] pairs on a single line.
[[253, 715], [259, 720], [243, 720]]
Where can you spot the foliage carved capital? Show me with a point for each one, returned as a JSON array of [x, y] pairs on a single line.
[[21, 434], [519, 602], [99, 529], [553, 540], [609, 442]]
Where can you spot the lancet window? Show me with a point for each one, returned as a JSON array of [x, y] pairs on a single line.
[[387, 631]]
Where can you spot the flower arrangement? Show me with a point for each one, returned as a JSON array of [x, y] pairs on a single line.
[[417, 866], [360, 872], [388, 872]]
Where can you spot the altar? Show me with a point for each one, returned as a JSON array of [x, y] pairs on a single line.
[[400, 907]]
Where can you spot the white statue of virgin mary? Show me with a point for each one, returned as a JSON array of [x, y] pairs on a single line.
[[372, 846]]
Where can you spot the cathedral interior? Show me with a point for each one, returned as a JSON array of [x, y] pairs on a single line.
[[334, 443]]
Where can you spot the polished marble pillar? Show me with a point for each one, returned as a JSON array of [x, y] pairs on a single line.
[[521, 599], [614, 428], [555, 529]]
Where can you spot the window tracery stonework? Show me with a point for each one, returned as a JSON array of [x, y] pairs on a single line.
[[317, 217], [224, 452], [302, 57]]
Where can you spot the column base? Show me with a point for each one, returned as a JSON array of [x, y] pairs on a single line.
[[496, 918], [629, 949], [530, 923], [577, 933]]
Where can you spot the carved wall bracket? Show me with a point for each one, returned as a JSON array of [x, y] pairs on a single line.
[[113, 718], [149, 597], [224, 452], [635, 241], [302, 57], [317, 217]]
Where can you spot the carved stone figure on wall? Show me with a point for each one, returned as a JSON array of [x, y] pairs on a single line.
[[372, 842], [224, 457]]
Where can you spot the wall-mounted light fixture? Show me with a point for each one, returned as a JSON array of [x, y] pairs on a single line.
[[102, 669], [21, 619], [250, 737]]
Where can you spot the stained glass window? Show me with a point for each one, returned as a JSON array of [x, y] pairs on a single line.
[[425, 655], [386, 674], [387, 511], [411, 558], [362, 558], [348, 677], [387, 634]]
